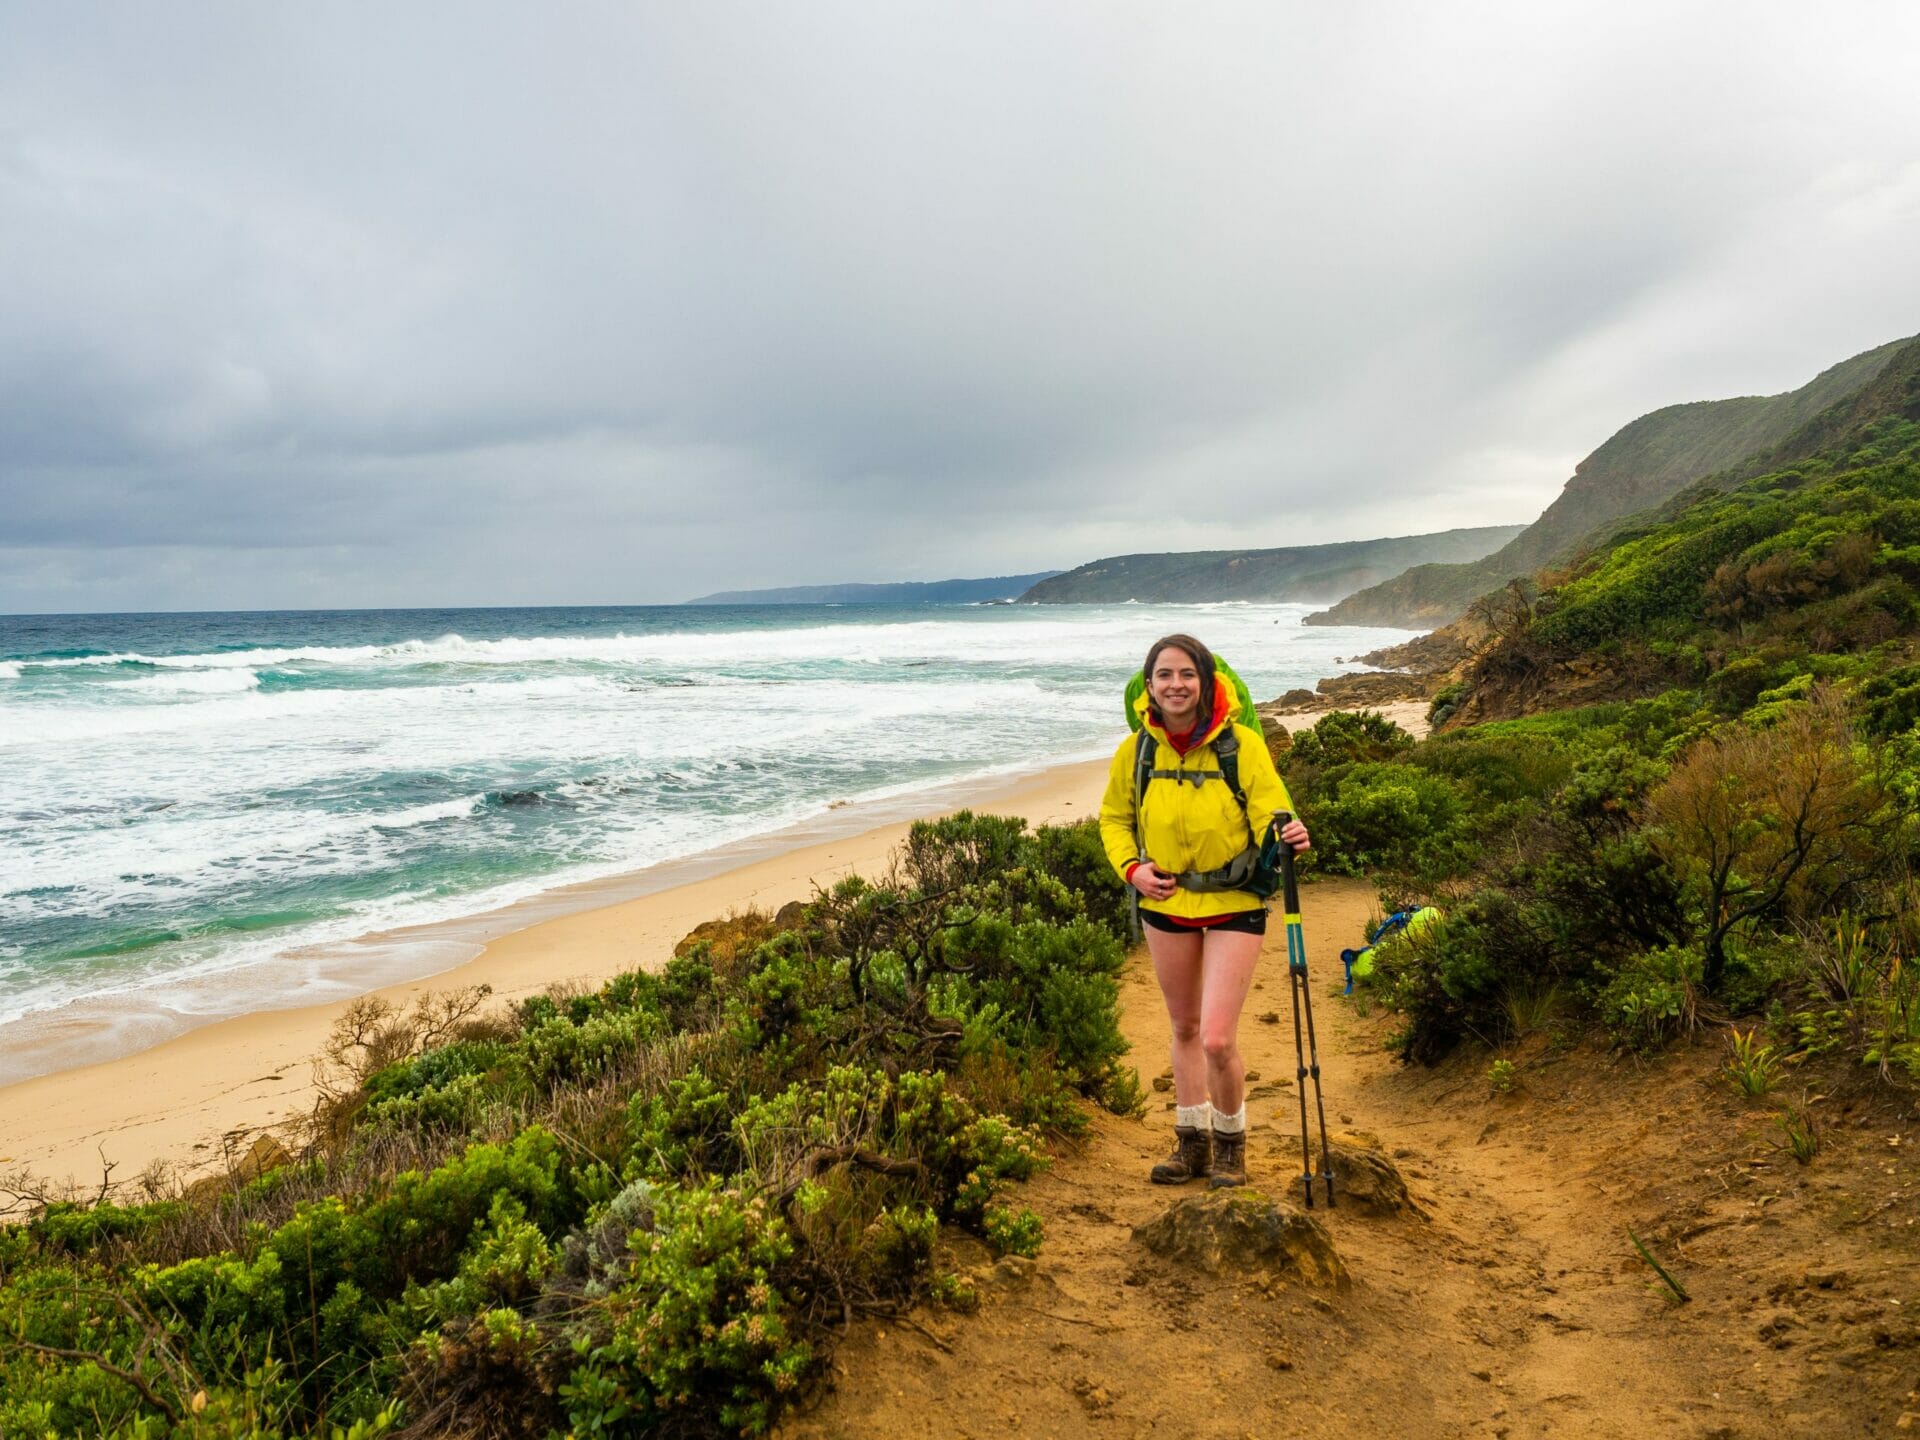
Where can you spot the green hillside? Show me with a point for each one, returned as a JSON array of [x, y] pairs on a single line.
[[1642, 465], [1303, 572], [1821, 554], [1680, 788]]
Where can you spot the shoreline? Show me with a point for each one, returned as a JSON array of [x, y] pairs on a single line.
[[207, 1089], [119, 1024]]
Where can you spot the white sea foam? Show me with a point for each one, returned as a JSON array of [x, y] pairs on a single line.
[[9, 669], [234, 702], [428, 814], [1027, 635], [193, 682]]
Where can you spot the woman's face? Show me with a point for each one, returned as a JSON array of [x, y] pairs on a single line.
[[1175, 686]]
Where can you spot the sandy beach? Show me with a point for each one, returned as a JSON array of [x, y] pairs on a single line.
[[192, 1100]]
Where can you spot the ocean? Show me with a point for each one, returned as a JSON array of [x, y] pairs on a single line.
[[196, 805]]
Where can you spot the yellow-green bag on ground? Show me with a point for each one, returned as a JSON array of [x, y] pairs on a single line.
[[1402, 923]]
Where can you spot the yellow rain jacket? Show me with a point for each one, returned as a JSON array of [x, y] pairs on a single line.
[[1190, 827]]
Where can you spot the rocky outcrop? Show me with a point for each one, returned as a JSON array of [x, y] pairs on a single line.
[[736, 935], [1498, 689], [1374, 688], [1240, 1230], [1365, 1178], [1435, 653], [265, 1154]]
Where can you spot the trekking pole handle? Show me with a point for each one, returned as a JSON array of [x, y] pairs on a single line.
[[1289, 887]]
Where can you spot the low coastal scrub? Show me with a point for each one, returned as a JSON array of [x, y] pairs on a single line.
[[645, 1209], [1645, 867], [1738, 836]]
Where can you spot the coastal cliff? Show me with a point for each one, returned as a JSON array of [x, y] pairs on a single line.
[[1643, 464]]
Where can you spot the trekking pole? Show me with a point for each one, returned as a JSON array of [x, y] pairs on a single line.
[[1306, 1057]]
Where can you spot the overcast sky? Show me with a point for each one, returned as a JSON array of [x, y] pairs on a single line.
[[604, 303]]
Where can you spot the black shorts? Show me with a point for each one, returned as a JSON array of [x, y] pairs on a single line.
[[1241, 922]]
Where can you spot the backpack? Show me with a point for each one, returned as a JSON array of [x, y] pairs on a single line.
[[1226, 745], [1359, 962], [1244, 712]]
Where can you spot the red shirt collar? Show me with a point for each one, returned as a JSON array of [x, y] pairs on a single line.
[[1183, 741]]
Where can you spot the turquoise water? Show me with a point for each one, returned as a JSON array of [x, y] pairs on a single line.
[[194, 796]]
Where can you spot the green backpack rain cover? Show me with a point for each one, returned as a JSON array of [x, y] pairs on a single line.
[[1245, 714]]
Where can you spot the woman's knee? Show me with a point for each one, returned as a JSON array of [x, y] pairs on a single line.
[[1221, 1045], [1185, 1031]]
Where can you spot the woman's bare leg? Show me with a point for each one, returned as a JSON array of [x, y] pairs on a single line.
[[1177, 965], [1226, 975]]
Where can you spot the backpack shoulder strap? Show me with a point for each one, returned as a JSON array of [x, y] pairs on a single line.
[[1226, 749], [1391, 926], [1144, 746]]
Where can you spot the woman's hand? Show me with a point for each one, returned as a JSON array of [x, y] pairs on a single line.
[[1151, 881], [1294, 836]]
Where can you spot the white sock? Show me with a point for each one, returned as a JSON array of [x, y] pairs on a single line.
[[1196, 1117], [1232, 1124]]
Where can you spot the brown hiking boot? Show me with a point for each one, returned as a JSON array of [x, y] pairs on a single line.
[[1191, 1158], [1229, 1159]]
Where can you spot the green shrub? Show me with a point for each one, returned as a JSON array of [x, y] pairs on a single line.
[[1392, 817], [1341, 737], [1445, 981], [504, 1266], [699, 1325], [1037, 987], [1653, 998], [1446, 700], [67, 1228], [1771, 705], [961, 850], [1737, 684], [1074, 856], [563, 1049], [436, 1069], [454, 1106], [681, 1131], [1496, 770], [1013, 1232], [953, 1292], [1890, 703]]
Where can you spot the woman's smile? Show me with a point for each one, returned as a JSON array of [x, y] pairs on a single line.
[[1175, 685]]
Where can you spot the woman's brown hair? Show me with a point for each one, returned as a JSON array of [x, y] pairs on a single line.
[[1202, 661]]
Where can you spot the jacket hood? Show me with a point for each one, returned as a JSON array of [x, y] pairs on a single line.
[[1225, 705]]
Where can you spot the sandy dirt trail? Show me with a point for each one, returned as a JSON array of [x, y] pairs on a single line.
[[1512, 1308]]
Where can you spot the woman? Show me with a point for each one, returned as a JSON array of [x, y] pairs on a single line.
[[1204, 943]]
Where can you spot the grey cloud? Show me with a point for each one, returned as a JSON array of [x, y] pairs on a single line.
[[632, 303]]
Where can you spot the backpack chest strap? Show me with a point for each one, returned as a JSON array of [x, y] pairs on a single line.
[[1226, 751], [1192, 777]]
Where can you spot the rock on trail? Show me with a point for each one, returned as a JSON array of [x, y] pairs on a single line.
[[1241, 1232]]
